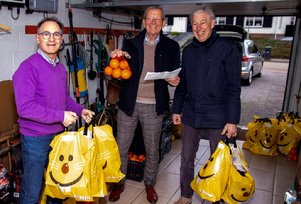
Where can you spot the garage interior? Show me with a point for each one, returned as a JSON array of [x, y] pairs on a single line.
[[221, 8], [273, 175]]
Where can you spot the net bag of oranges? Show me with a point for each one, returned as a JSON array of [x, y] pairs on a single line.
[[117, 70]]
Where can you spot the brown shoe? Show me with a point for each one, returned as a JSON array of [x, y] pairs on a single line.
[[115, 193], [151, 194]]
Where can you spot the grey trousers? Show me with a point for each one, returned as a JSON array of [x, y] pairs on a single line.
[[151, 128], [190, 144]]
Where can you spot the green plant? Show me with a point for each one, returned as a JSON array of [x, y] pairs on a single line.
[[175, 33], [280, 49]]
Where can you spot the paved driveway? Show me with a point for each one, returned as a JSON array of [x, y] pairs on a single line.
[[264, 97]]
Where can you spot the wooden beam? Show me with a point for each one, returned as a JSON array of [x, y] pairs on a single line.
[[30, 29]]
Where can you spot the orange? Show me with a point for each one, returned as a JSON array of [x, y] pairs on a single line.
[[133, 157], [126, 73], [116, 73], [114, 63], [123, 64], [108, 70], [141, 157]]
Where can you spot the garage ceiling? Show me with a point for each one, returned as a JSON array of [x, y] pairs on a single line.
[[186, 7]]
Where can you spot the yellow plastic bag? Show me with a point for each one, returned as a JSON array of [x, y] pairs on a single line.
[[97, 181], [289, 137], [262, 135], [252, 134], [241, 185], [211, 181], [73, 170], [267, 144], [68, 170], [108, 153]]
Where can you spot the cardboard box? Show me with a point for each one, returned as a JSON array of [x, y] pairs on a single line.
[[8, 112]]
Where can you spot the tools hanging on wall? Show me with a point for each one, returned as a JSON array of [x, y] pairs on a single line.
[[109, 38], [102, 62], [91, 74], [80, 55], [73, 45]]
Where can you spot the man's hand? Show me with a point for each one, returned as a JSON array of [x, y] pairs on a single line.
[[176, 119], [230, 130], [69, 118], [87, 115], [173, 81]]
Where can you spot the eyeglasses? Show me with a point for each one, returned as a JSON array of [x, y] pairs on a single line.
[[153, 19], [46, 35]]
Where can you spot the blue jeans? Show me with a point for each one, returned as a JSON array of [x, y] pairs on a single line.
[[35, 152]]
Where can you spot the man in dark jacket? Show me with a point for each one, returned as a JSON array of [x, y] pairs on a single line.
[[207, 100], [146, 100]]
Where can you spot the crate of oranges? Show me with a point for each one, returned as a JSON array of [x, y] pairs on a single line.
[[135, 157], [136, 164], [117, 70]]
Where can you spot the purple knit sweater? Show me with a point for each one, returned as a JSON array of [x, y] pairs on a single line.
[[42, 96]]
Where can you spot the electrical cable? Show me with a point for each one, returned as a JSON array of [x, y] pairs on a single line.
[[18, 14], [114, 21]]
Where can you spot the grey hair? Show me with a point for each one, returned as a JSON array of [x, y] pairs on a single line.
[[52, 19], [203, 9], [154, 8]]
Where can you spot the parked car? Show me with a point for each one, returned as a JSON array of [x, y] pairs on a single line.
[[252, 58]]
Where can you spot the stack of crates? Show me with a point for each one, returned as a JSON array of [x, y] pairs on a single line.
[[135, 169], [166, 137]]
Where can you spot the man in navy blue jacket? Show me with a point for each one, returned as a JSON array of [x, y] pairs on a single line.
[[207, 100], [146, 100]]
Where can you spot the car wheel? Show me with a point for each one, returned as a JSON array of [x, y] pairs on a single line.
[[259, 74], [250, 79]]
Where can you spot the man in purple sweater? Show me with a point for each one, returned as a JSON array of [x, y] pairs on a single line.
[[44, 106]]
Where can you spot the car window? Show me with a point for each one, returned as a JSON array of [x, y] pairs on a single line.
[[252, 48], [255, 50]]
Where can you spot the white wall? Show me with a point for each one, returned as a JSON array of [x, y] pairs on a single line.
[[278, 26], [179, 25], [294, 74], [17, 46]]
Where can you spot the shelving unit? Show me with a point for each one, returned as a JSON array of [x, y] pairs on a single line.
[[7, 143], [8, 124]]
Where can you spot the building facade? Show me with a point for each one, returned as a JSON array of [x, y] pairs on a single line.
[[276, 27]]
